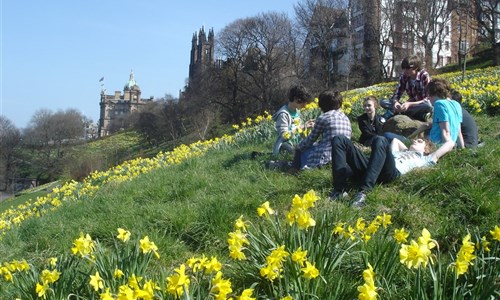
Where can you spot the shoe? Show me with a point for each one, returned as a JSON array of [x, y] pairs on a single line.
[[428, 117], [274, 164], [387, 115], [336, 195], [359, 200]]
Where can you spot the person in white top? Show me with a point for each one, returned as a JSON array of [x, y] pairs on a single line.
[[387, 161]]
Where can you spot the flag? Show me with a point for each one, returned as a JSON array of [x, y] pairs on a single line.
[[102, 79]]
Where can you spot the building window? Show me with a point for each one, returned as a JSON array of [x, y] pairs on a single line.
[[447, 45], [447, 30]]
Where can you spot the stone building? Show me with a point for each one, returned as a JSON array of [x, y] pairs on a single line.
[[114, 108], [202, 54]]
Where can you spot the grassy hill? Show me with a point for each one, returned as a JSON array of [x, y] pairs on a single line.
[[186, 201]]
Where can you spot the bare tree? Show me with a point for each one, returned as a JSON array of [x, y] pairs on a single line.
[[260, 59], [48, 134], [487, 13], [387, 38], [10, 141], [324, 25], [426, 21]]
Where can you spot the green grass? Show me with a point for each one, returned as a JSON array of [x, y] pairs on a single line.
[[189, 208], [195, 203]]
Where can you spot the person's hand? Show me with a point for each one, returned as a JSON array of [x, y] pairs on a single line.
[[310, 124], [405, 106], [397, 106]]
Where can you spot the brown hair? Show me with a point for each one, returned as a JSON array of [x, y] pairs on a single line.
[[330, 100], [429, 146], [411, 62], [300, 94], [439, 88]]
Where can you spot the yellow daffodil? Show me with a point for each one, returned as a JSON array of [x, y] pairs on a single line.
[[96, 281], [400, 235], [299, 256], [118, 273], [41, 289], [246, 295], [368, 291], [495, 233], [148, 246], [310, 271], [265, 209], [240, 224], [123, 235], [221, 287], [106, 295], [178, 282]]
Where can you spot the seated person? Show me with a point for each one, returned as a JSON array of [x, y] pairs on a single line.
[[332, 122], [387, 161], [413, 80], [447, 117], [468, 125], [370, 124], [288, 120]]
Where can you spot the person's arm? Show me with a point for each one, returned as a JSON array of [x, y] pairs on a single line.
[[409, 104], [397, 145], [318, 129], [445, 131], [399, 92], [445, 148], [420, 129], [283, 122]]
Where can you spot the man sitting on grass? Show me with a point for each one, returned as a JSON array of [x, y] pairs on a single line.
[[387, 161]]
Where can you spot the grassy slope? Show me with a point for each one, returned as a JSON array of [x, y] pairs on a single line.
[[191, 207]]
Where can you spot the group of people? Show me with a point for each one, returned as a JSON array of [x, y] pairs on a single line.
[[446, 126]]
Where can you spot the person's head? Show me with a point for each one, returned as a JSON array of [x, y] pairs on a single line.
[[438, 88], [422, 145], [411, 65], [299, 95], [370, 104], [329, 100], [455, 95]]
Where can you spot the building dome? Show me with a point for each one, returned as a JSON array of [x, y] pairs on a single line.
[[131, 85]]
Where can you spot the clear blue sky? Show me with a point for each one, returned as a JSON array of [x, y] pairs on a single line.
[[54, 52]]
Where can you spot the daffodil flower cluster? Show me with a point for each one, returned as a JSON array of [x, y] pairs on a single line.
[[299, 212], [237, 240], [465, 256], [417, 253], [362, 229], [368, 291], [274, 263], [74, 191]]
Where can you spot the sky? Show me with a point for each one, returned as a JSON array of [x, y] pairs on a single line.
[[54, 52]]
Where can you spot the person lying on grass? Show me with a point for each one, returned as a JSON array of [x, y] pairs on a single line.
[[386, 162]]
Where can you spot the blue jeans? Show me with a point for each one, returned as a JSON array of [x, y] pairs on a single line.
[[415, 112], [348, 161]]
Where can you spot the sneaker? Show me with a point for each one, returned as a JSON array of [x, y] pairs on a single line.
[[274, 164], [337, 195], [428, 117], [388, 114], [359, 200]]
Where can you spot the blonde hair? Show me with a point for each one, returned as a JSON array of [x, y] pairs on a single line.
[[373, 99]]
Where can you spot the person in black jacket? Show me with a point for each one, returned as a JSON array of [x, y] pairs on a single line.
[[370, 124]]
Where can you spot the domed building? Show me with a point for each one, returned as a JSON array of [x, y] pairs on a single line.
[[115, 108]]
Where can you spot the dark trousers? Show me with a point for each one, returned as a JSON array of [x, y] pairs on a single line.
[[348, 161]]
